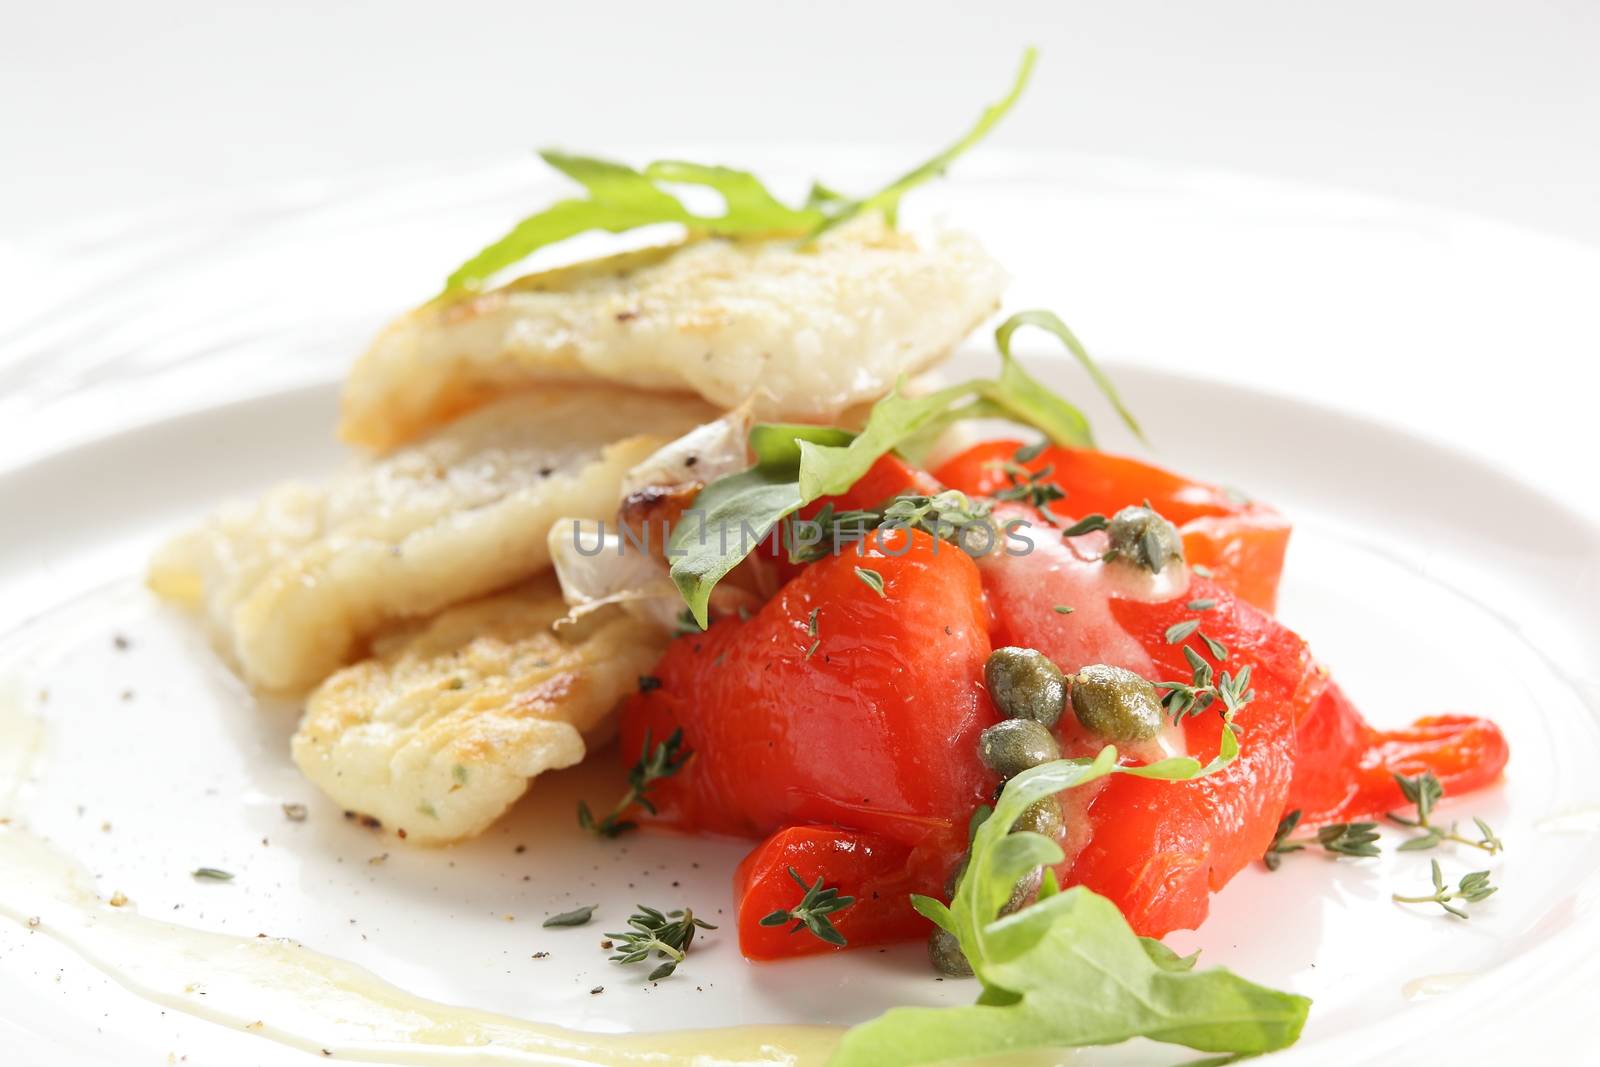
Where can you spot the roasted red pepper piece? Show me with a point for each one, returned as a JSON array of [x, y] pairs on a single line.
[[1345, 768], [857, 726], [854, 725], [1159, 849], [880, 874], [1241, 542], [855, 748]]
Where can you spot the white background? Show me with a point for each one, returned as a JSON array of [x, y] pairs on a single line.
[[1473, 104]]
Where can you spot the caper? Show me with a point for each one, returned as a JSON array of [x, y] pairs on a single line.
[[945, 952], [1021, 894], [1012, 746], [1144, 538], [1041, 817], [1025, 684], [953, 881], [1115, 703], [1024, 891]]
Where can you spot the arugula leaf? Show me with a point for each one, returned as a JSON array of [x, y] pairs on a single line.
[[748, 204], [777, 444], [730, 517], [797, 464], [827, 470], [1068, 971], [621, 199], [1049, 320], [830, 469], [887, 199], [1082, 979]]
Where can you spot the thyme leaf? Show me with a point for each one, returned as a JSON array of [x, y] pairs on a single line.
[[872, 580], [655, 763], [1088, 524], [1029, 453], [575, 917], [816, 904], [1180, 631]]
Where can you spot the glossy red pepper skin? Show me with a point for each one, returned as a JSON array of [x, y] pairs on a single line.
[[1241, 542], [1157, 849], [858, 762], [878, 873], [1160, 849], [858, 730], [1345, 768]]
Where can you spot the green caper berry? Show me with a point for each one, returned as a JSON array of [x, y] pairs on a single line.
[[1116, 704], [945, 952], [1012, 746], [1041, 817], [1024, 684], [1024, 891], [1144, 538], [953, 882]]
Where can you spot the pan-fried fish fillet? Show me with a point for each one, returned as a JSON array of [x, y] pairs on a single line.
[[804, 334], [439, 732], [292, 585]]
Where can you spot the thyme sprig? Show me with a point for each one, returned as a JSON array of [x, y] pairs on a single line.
[[843, 527], [1424, 791], [1204, 688], [1030, 487], [1341, 838], [944, 515], [655, 763], [1470, 890], [667, 934], [817, 903]]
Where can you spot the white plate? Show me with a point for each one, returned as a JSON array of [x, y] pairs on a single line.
[[1426, 579]]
